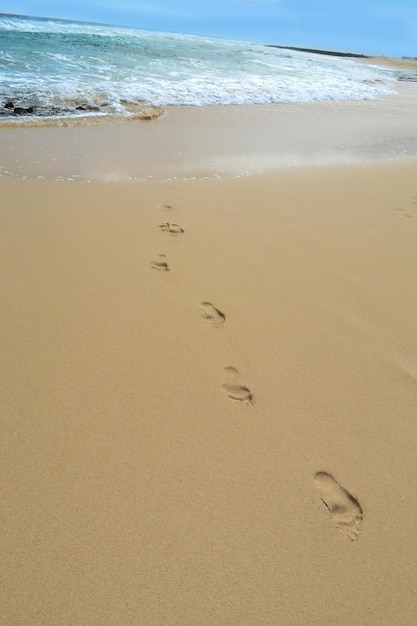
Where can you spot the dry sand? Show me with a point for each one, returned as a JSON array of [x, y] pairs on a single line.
[[135, 490], [403, 64], [222, 435]]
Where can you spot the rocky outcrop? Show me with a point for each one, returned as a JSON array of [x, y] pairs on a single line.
[[11, 109], [408, 78], [75, 109]]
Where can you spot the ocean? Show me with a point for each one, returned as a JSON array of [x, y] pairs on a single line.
[[53, 68]]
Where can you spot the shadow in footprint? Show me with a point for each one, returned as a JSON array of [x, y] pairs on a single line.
[[171, 229], [344, 509], [213, 315], [160, 263], [234, 388]]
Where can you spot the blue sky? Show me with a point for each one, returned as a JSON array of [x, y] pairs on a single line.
[[365, 26]]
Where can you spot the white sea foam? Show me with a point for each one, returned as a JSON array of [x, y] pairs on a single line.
[[72, 68]]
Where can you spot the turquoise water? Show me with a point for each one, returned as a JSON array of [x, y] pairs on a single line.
[[53, 67]]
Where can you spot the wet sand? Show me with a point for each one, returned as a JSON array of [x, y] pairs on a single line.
[[209, 399], [225, 141]]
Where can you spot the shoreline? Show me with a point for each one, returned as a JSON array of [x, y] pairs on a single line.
[[99, 108], [221, 140]]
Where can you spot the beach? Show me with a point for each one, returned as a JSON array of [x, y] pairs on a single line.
[[209, 368]]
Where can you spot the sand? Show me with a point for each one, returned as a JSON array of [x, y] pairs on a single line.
[[209, 399], [224, 140], [402, 64]]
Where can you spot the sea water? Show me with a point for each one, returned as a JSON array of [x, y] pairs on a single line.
[[59, 68]]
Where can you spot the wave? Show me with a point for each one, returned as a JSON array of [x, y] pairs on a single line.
[[57, 68]]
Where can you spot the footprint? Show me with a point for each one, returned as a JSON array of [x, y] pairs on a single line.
[[403, 213], [211, 314], [160, 263], [343, 507], [166, 207], [234, 387], [172, 229]]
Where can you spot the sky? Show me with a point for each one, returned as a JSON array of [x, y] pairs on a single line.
[[379, 27]]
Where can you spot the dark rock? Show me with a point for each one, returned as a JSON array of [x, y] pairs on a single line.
[[23, 110], [331, 53], [409, 78], [87, 107], [8, 105]]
